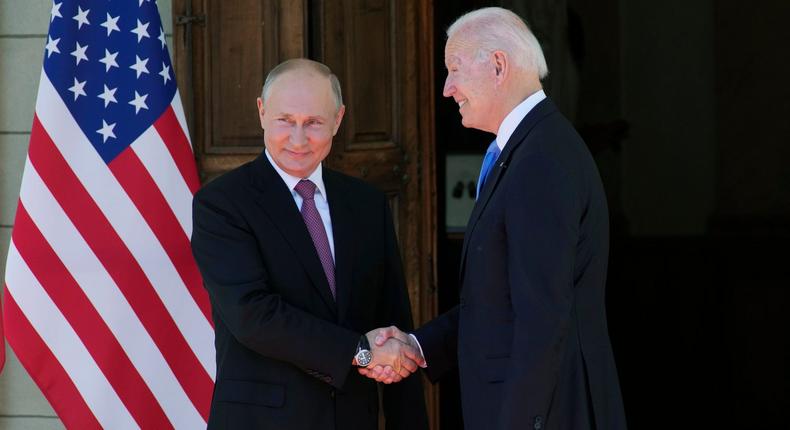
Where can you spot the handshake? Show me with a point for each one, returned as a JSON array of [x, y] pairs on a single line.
[[396, 355]]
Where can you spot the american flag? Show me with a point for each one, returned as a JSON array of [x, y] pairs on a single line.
[[104, 304]]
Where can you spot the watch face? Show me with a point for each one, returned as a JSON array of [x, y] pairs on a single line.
[[364, 357]]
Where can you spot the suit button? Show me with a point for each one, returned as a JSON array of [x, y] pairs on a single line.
[[538, 425], [332, 394]]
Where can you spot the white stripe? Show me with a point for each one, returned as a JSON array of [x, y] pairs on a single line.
[[106, 298], [126, 220], [178, 108], [153, 153], [62, 340]]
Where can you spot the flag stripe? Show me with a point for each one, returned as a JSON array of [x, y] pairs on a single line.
[[120, 264], [64, 291], [44, 368], [56, 332], [156, 158], [116, 311], [177, 143], [141, 188], [127, 222]]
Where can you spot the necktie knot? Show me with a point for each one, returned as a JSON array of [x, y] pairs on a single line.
[[306, 189]]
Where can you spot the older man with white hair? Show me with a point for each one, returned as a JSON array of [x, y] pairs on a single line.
[[530, 334]]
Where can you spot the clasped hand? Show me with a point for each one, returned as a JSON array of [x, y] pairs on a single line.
[[395, 355]]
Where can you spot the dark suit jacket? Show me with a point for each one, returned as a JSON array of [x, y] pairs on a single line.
[[529, 334], [284, 345]]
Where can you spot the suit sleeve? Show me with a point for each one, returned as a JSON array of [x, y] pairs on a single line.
[[542, 223], [404, 402], [439, 341], [230, 262]]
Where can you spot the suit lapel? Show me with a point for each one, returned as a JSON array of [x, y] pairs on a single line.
[[345, 240], [278, 204], [540, 111]]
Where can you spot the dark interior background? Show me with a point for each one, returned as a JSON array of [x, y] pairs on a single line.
[[686, 108]]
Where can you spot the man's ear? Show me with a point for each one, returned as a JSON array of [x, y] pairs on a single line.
[[501, 66], [339, 118], [261, 111]]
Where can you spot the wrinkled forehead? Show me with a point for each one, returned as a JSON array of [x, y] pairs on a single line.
[[459, 48], [294, 93]]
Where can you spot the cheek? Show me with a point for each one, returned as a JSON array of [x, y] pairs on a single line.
[[319, 136], [276, 137]]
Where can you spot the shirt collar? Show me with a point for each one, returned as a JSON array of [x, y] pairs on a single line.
[[316, 177], [513, 119]]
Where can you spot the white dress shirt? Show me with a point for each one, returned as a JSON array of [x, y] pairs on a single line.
[[321, 198], [514, 118]]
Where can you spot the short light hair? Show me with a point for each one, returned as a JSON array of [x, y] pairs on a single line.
[[303, 64], [497, 29]]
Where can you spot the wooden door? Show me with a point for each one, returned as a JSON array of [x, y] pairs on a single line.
[[381, 50]]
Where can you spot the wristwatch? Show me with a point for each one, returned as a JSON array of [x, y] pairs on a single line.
[[363, 355]]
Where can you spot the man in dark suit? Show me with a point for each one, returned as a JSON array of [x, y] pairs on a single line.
[[300, 262], [530, 334]]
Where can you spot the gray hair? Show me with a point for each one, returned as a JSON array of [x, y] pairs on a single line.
[[495, 28], [303, 64]]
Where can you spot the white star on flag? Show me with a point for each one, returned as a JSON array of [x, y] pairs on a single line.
[[141, 31], [81, 17], [55, 12], [162, 37], [139, 102], [78, 88], [106, 131], [109, 60], [165, 73], [139, 66], [79, 53], [111, 24], [52, 46], [108, 96]]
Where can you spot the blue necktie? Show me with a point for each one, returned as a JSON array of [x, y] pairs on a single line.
[[488, 163]]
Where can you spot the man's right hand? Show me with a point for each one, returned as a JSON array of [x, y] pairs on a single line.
[[395, 355]]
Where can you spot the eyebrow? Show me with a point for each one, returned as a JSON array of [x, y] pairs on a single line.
[[289, 115]]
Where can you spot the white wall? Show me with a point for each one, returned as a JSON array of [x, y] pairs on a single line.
[[23, 29]]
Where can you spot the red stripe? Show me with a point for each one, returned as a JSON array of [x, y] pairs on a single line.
[[177, 143], [45, 369], [75, 306], [121, 265], [149, 200]]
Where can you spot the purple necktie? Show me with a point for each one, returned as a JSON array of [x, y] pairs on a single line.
[[315, 226]]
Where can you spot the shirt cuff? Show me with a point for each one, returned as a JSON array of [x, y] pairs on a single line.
[[420, 348]]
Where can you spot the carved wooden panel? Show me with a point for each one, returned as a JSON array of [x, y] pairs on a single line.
[[246, 38], [364, 43]]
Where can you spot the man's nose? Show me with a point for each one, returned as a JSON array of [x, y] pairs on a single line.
[[449, 87], [297, 136]]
